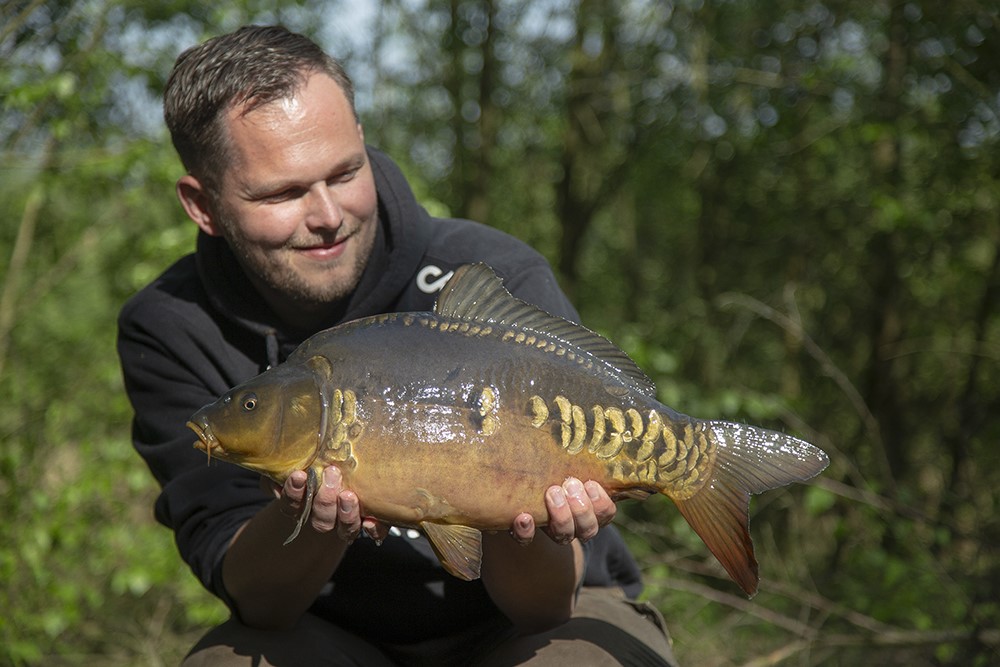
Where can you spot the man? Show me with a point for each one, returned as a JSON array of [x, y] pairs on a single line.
[[302, 227]]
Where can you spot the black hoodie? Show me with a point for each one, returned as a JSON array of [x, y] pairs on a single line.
[[200, 328]]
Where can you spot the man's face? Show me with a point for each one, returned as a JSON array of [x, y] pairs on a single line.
[[297, 203]]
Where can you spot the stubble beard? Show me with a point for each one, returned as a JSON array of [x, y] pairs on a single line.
[[272, 270]]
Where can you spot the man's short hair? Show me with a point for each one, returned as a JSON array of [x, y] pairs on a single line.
[[248, 68]]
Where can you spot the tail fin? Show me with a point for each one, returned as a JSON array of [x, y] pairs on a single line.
[[748, 460]]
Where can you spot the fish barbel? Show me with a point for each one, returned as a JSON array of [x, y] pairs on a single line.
[[455, 421]]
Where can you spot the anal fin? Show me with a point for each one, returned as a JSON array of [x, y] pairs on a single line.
[[459, 548], [720, 514]]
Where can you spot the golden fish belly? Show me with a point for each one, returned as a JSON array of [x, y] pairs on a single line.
[[471, 479]]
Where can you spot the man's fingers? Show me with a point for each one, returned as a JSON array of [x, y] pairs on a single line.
[[523, 528], [561, 527], [604, 508], [375, 529], [333, 507], [577, 510], [348, 516], [294, 488], [323, 517], [582, 509]]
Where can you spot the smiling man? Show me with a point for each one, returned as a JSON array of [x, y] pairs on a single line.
[[298, 204], [303, 226]]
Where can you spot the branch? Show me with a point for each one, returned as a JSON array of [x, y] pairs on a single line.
[[15, 24], [15, 270], [873, 633], [732, 299], [741, 604]]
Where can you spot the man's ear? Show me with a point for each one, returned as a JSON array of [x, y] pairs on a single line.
[[196, 204]]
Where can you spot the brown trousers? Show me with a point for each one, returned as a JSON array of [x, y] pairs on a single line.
[[606, 629]]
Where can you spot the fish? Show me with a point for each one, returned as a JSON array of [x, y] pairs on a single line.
[[454, 421]]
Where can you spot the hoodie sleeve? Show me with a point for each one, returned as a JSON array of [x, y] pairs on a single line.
[[174, 361]]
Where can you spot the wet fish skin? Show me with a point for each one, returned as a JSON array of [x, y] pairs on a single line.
[[455, 421]]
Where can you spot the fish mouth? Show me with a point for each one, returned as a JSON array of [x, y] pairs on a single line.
[[206, 442]]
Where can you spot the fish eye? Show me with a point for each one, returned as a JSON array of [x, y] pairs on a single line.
[[249, 402]]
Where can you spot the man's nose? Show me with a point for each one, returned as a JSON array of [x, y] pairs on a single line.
[[325, 211]]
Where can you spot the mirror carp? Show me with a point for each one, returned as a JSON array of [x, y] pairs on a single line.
[[415, 406]]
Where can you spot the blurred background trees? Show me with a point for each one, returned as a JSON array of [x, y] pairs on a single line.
[[787, 212]]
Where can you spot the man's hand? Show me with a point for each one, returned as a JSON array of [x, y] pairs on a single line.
[[576, 510], [273, 584], [534, 584], [334, 508]]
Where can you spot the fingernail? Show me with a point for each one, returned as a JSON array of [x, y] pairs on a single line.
[[297, 481], [593, 490], [557, 496], [331, 477], [574, 489], [346, 504]]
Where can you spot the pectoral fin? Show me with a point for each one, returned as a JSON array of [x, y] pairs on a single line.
[[459, 548], [312, 482]]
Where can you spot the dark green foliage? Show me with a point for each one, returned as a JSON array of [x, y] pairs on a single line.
[[788, 213]]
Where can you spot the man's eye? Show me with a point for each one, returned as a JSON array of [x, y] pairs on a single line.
[[344, 176], [283, 195]]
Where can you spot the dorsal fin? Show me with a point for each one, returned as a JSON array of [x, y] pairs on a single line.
[[476, 293]]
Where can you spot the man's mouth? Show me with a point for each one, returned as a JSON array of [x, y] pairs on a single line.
[[325, 250]]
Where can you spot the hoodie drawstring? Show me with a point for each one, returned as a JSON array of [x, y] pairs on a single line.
[[271, 339]]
